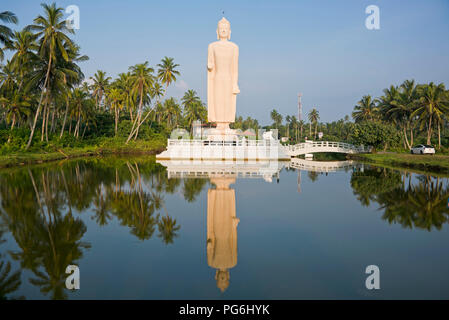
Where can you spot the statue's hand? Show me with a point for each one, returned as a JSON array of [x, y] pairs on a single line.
[[236, 90]]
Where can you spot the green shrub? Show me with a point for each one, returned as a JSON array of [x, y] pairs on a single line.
[[376, 134]]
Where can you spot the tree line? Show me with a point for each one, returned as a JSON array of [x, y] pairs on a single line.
[[43, 89], [409, 113], [44, 95], [413, 109]]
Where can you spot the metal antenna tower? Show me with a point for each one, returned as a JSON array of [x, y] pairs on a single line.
[[299, 107]]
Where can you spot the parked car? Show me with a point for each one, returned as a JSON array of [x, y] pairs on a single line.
[[422, 149]]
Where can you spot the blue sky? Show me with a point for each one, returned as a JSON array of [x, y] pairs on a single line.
[[318, 47]]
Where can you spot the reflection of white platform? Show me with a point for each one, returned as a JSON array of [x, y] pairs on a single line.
[[224, 150], [219, 168]]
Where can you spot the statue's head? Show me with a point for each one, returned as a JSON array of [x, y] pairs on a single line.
[[222, 278], [223, 29]]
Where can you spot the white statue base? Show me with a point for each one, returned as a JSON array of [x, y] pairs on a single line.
[[223, 147]]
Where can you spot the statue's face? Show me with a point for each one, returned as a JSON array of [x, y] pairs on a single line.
[[223, 31]]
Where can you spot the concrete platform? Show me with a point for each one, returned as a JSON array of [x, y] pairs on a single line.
[[223, 150]]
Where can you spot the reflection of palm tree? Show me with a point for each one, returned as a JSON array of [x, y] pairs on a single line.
[[135, 211], [38, 207], [192, 187], [48, 240], [423, 205], [101, 204], [313, 175], [8, 282], [58, 249], [370, 183], [167, 229], [428, 201], [396, 206]]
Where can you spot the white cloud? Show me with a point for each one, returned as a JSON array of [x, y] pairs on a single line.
[[89, 81], [181, 84]]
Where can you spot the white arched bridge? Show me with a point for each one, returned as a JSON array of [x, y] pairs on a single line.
[[323, 146]]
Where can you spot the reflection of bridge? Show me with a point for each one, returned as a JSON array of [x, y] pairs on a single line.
[[323, 146], [319, 166]]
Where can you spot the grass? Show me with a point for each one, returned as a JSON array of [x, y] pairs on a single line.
[[428, 163], [105, 146]]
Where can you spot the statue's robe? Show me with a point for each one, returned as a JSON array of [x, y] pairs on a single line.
[[222, 78], [221, 225]]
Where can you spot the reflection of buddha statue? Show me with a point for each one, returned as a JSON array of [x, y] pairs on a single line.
[[221, 230], [222, 76]]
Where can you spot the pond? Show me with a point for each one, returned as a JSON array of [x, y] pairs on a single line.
[[139, 229]]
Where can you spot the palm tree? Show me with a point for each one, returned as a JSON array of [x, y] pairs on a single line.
[[17, 107], [99, 86], [80, 106], [193, 107], [124, 84], [24, 45], [431, 106], [314, 116], [167, 72], [365, 110], [7, 78], [53, 41], [115, 99], [301, 126], [288, 119], [6, 33], [72, 77], [276, 117], [397, 105], [295, 124], [142, 80], [172, 112]]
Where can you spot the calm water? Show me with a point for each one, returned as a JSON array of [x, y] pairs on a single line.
[[139, 230]]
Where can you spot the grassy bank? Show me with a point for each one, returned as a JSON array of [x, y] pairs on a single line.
[[436, 163], [93, 148]]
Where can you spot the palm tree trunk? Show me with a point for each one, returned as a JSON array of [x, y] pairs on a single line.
[[75, 133], [13, 121], [135, 121], [116, 120], [53, 120], [439, 136], [39, 105], [43, 120], [78, 124], [84, 131], [65, 117], [429, 130], [406, 144], [12, 126], [140, 113], [46, 121]]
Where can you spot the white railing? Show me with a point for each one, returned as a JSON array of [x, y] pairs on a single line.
[[224, 143], [324, 146]]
